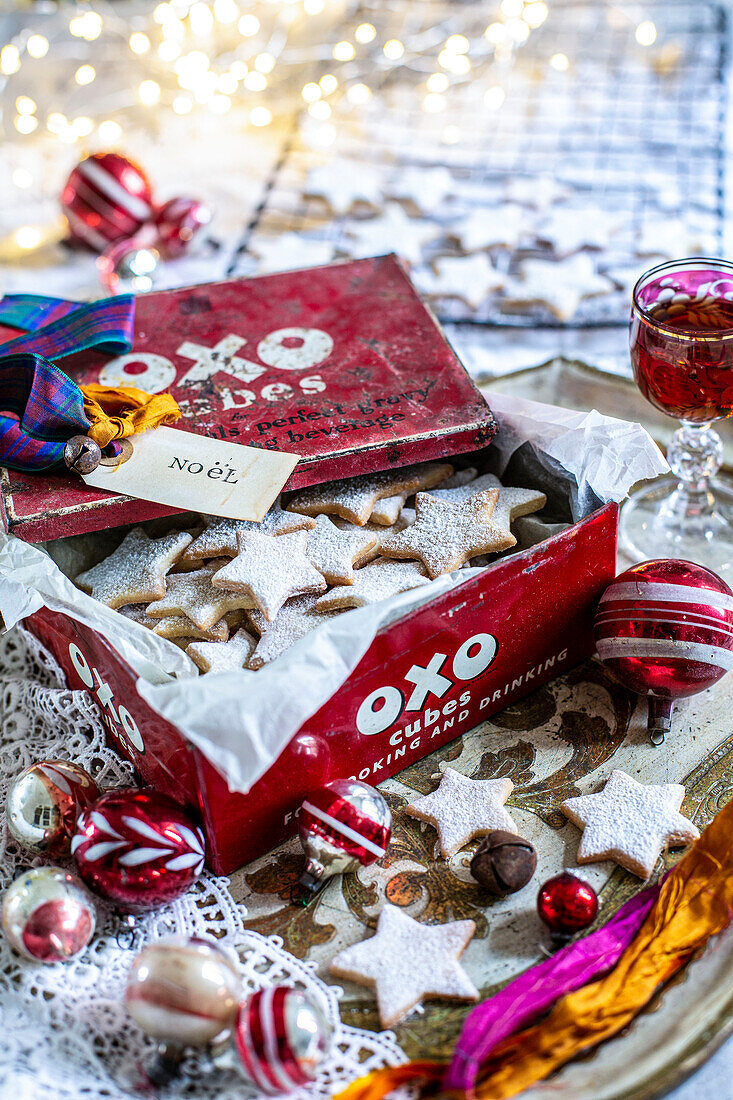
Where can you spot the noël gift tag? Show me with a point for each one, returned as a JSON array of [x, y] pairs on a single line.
[[198, 474]]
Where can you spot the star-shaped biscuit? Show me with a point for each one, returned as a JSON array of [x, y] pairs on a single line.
[[336, 552], [471, 279], [294, 620], [425, 189], [512, 503], [175, 626], [220, 537], [407, 962], [135, 572], [387, 511], [463, 808], [194, 595], [354, 498], [630, 822], [344, 184], [444, 536], [373, 583], [393, 231], [560, 285], [223, 656], [486, 227], [288, 251], [270, 570]]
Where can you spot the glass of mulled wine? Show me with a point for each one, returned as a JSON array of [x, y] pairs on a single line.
[[682, 353]]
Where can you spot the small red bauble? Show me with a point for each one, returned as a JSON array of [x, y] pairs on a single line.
[[44, 802], [342, 826], [106, 197], [665, 629], [177, 222], [567, 904], [137, 849], [47, 915], [279, 1039]]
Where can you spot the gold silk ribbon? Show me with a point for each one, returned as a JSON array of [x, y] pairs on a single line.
[[116, 412], [695, 903]]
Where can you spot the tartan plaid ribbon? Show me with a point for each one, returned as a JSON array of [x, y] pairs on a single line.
[[40, 406]]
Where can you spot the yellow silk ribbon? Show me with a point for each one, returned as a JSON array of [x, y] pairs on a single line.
[[695, 903], [116, 412]]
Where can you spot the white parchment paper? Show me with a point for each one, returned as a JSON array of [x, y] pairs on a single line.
[[243, 720]]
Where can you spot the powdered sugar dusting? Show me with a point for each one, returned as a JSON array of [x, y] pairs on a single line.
[[512, 503], [194, 595], [354, 498], [407, 962], [293, 621], [271, 570], [376, 581], [630, 822], [175, 626], [220, 536], [444, 536], [335, 551], [223, 656], [463, 808], [135, 571]]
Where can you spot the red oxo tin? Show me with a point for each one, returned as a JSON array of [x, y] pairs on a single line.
[[342, 365]]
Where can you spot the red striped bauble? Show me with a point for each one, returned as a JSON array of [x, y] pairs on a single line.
[[106, 198], [342, 826], [280, 1037], [665, 629]]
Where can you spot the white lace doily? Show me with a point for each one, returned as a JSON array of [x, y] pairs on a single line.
[[65, 1031]]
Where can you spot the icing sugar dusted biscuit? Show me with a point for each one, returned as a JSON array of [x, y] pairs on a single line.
[[293, 621], [407, 962], [194, 595], [270, 570], [354, 498], [223, 656], [175, 626], [135, 572], [630, 822], [463, 808], [374, 582], [336, 552], [445, 536], [512, 503], [220, 537]]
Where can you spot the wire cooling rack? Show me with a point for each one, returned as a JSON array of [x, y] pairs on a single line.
[[635, 131]]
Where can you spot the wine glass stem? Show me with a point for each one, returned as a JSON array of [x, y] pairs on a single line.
[[695, 454]]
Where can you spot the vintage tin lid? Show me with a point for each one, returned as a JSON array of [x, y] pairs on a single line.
[[342, 364]]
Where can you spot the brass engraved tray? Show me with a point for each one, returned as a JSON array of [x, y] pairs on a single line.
[[562, 740]]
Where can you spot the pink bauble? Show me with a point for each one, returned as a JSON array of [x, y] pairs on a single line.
[[177, 222], [279, 1039], [44, 802], [137, 849], [106, 197], [47, 915], [665, 629]]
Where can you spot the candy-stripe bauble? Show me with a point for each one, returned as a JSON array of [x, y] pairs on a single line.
[[177, 222], [43, 803], [47, 915], [665, 629], [342, 826], [567, 904], [137, 849], [106, 197], [279, 1039], [183, 990]]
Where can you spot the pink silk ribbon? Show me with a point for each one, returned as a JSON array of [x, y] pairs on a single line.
[[537, 988]]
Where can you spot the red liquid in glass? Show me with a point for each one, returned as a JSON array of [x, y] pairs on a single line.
[[690, 375]]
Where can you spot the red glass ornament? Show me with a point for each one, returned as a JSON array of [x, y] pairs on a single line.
[[106, 198], [567, 904], [343, 825], [177, 222], [47, 915], [279, 1039], [665, 629], [44, 802], [137, 849]]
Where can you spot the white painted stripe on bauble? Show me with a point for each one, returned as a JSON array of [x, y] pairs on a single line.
[[344, 829], [716, 625], [267, 1017], [667, 593], [114, 190], [662, 647]]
